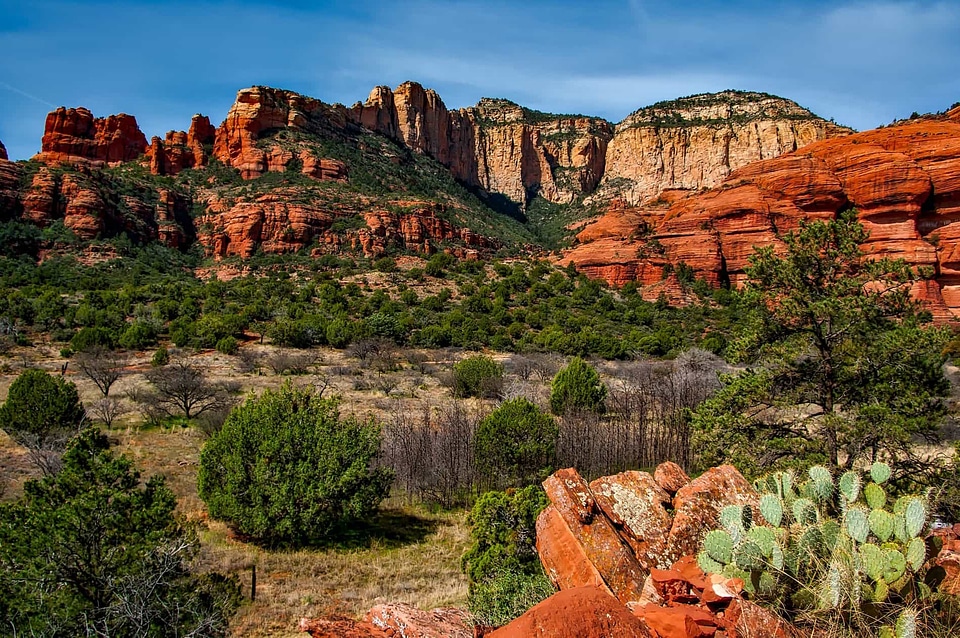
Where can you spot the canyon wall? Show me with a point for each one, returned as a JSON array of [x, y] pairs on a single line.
[[904, 180]]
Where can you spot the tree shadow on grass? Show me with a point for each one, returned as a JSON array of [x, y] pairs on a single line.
[[390, 528]]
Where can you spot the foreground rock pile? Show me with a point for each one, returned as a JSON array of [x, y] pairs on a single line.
[[621, 551]]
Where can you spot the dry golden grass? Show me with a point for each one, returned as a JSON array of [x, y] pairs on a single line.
[[406, 555]]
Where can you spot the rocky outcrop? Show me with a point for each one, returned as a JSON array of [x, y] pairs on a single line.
[[904, 180], [597, 542], [583, 612], [273, 224], [10, 204], [260, 111], [394, 620], [75, 135], [497, 145], [696, 142], [179, 151], [3, 151]]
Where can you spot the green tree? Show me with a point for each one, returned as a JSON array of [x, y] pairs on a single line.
[[41, 413], [502, 565], [286, 469], [843, 367], [577, 387], [90, 551], [516, 444], [477, 376]]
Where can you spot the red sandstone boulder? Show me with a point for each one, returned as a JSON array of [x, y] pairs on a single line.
[[634, 504], [581, 612], [404, 621], [578, 545], [340, 628], [72, 135], [697, 507], [679, 621], [670, 477], [744, 619]]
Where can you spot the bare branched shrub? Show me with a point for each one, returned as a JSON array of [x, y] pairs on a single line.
[[296, 363], [181, 388], [250, 361], [418, 360], [646, 420], [102, 366], [430, 449], [369, 349], [106, 410]]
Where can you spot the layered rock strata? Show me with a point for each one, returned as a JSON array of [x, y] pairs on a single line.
[[904, 180], [178, 151]]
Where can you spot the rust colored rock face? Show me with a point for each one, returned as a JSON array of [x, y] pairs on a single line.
[[634, 504], [10, 205], [611, 557], [260, 110], [697, 507], [404, 621], [75, 135], [179, 151], [904, 180], [670, 477], [581, 612], [340, 628]]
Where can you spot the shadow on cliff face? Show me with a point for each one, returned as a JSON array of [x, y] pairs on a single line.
[[504, 205]]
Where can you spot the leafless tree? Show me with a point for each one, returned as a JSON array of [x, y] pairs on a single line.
[[107, 410], [283, 361], [249, 361], [181, 388], [102, 366]]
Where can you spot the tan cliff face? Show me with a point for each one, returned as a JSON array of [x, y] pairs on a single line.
[[696, 142], [497, 145]]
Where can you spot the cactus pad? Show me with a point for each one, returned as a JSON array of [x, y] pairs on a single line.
[[881, 523], [771, 508], [915, 516], [707, 564], [718, 545], [804, 511], [916, 553], [880, 472], [765, 539], [876, 497], [857, 525], [906, 626], [748, 556], [821, 483], [873, 561], [850, 486], [896, 565]]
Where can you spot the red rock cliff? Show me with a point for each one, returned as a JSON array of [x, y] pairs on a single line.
[[179, 150], [3, 151], [904, 180], [72, 135]]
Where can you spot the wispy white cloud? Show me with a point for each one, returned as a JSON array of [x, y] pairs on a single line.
[[863, 63]]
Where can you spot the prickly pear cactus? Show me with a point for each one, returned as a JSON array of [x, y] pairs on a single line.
[[822, 545]]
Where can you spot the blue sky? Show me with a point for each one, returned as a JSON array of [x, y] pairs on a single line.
[[861, 63]]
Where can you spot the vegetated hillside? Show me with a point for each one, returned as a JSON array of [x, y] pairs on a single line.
[[400, 171], [903, 179]]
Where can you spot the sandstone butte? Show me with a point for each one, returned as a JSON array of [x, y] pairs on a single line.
[[903, 179], [496, 146]]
